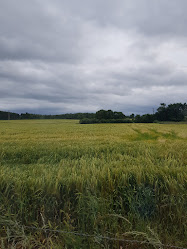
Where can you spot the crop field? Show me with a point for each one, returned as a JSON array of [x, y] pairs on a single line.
[[126, 181]]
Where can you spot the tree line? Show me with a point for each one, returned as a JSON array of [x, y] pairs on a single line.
[[16, 116], [173, 112]]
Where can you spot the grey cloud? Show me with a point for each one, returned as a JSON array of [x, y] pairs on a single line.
[[63, 56], [156, 17], [28, 31]]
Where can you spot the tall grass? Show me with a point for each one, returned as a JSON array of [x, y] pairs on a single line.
[[124, 180]]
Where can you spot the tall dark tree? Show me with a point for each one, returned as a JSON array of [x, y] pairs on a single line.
[[162, 112], [176, 112], [172, 112]]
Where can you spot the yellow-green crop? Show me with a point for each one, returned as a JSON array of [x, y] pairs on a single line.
[[110, 179]]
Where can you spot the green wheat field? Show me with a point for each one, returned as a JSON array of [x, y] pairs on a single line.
[[127, 181]]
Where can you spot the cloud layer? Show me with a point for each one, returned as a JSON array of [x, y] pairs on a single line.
[[66, 56]]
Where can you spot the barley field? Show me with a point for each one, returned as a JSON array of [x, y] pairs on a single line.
[[117, 180]]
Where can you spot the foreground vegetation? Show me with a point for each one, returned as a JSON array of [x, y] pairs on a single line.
[[118, 180]]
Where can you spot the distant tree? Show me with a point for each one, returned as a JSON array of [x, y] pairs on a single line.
[[118, 115], [137, 119], [162, 112], [109, 114], [103, 114], [7, 115], [176, 112], [148, 118], [172, 112]]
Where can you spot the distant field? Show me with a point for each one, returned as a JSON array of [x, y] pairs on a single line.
[[117, 180]]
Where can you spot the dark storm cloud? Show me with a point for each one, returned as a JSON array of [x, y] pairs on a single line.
[[69, 56]]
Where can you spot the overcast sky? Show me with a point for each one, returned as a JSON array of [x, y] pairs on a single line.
[[61, 56]]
